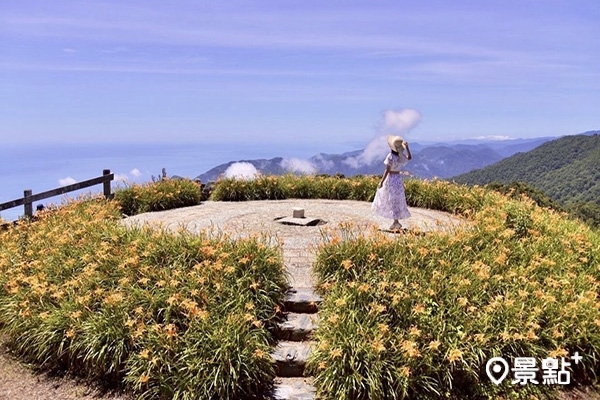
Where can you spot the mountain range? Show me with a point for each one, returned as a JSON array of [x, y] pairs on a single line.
[[442, 160], [566, 169]]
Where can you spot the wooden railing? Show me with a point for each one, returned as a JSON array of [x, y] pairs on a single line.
[[29, 197]]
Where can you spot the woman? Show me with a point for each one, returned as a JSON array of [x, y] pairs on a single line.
[[390, 200]]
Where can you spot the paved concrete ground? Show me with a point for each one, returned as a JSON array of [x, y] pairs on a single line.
[[242, 218]]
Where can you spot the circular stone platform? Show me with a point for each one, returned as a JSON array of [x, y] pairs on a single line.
[[249, 217]]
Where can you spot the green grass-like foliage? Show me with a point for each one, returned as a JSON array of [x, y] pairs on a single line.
[[159, 195], [163, 315], [437, 195], [418, 316], [301, 187]]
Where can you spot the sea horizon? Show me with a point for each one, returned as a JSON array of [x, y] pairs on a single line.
[[42, 167]]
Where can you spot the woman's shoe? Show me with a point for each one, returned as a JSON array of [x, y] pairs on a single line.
[[395, 226]]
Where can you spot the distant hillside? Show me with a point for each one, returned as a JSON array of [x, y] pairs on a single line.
[[566, 169], [445, 161], [440, 160]]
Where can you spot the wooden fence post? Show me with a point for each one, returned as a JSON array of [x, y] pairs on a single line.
[[27, 204], [106, 184]]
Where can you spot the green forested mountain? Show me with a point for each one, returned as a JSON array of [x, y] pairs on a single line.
[[566, 169]]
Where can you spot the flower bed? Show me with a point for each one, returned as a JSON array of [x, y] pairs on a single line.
[[163, 194], [163, 315], [419, 316]]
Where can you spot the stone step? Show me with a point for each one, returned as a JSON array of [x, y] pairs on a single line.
[[291, 357], [302, 300], [294, 389], [297, 327]]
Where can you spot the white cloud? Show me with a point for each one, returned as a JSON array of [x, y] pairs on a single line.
[[494, 137], [241, 170], [399, 122], [325, 164], [135, 173], [69, 51], [121, 177], [66, 181], [375, 150], [395, 122], [298, 166]]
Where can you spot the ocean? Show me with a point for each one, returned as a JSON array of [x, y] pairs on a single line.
[[46, 167]]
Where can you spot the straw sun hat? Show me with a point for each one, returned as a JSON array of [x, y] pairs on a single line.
[[396, 143]]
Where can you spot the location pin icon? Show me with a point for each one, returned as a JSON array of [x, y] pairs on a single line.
[[497, 366]]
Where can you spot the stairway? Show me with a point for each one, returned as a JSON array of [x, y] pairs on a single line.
[[294, 346]]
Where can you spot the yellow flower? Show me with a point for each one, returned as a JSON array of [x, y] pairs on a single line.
[[173, 299], [44, 315], [244, 260], [419, 308], [480, 338], [340, 302], [347, 264], [257, 324], [25, 313], [531, 335], [377, 308], [454, 355], [145, 353], [434, 344], [335, 353], [258, 353], [203, 315], [171, 330], [114, 298], [414, 331], [254, 285], [378, 346], [501, 259], [144, 378], [556, 334], [558, 353], [383, 328], [410, 348], [405, 371]]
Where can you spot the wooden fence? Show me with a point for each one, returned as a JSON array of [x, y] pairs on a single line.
[[29, 197]]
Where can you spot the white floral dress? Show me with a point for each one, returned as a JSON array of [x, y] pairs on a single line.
[[390, 199]]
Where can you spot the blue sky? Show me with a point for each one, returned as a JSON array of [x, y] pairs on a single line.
[[253, 72]]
